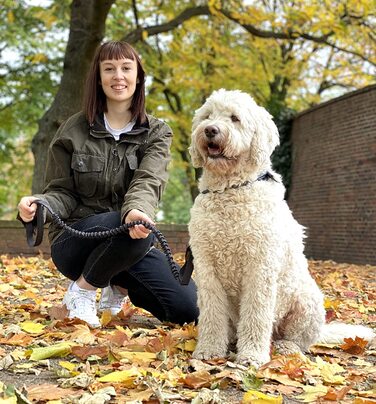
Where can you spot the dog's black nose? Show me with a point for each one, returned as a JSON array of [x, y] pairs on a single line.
[[211, 131]]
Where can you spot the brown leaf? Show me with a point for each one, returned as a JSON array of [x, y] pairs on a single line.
[[354, 347], [17, 339], [83, 352], [197, 380], [117, 338], [337, 395], [43, 392], [58, 312]]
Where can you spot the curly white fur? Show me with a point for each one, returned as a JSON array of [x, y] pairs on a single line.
[[250, 269]]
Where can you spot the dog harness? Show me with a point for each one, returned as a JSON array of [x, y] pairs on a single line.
[[262, 177]]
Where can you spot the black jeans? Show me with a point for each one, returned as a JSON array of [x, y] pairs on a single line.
[[126, 262]]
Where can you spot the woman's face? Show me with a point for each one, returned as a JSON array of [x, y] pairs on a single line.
[[118, 79]]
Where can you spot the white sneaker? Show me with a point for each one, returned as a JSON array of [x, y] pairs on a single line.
[[111, 299], [81, 304]]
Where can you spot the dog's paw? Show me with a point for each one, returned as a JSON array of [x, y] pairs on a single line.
[[251, 360], [285, 347], [206, 354]]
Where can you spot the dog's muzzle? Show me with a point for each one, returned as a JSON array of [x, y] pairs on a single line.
[[213, 146], [211, 131]]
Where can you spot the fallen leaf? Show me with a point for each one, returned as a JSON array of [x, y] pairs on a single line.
[[354, 347], [256, 397], [43, 392], [336, 395], [32, 328], [199, 379], [127, 377], [53, 351], [82, 335], [312, 393], [83, 352]]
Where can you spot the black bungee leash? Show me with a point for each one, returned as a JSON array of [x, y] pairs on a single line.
[[34, 236]]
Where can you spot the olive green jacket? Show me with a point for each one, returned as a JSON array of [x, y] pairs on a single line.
[[89, 172]]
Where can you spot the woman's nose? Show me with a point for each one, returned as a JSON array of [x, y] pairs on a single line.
[[118, 73]]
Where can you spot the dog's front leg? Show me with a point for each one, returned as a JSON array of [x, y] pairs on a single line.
[[256, 319], [213, 321]]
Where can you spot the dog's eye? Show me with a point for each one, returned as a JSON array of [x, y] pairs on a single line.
[[234, 118]]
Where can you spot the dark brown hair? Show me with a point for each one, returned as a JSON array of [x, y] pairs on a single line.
[[94, 101]]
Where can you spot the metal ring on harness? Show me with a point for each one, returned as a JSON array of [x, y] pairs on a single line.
[[35, 228]]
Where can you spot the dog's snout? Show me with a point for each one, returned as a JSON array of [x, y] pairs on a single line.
[[211, 131]]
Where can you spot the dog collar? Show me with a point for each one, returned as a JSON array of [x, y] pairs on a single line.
[[262, 177]]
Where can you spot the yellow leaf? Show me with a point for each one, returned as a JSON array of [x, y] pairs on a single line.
[[283, 379], [10, 16], [328, 371], [144, 35], [138, 356], [32, 328], [123, 376], [189, 345], [53, 351], [254, 396], [67, 365], [39, 58], [312, 393], [4, 287], [106, 317]]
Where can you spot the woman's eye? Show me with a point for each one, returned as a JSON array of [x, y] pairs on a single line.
[[234, 118]]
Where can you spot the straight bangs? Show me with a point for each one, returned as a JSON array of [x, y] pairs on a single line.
[[94, 102], [117, 50]]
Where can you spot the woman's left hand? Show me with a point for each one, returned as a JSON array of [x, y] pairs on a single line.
[[138, 231]]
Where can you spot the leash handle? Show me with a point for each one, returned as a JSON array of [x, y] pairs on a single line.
[[35, 230]]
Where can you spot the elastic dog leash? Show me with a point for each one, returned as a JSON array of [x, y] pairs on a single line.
[[35, 228]]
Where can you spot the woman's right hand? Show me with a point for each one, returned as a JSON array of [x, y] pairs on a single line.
[[27, 208]]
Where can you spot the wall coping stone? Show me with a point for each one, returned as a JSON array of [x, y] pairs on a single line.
[[371, 87]]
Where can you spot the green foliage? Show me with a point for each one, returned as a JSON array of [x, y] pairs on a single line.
[[281, 158], [177, 200]]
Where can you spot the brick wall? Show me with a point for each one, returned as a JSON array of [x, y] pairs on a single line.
[[13, 239], [333, 190]]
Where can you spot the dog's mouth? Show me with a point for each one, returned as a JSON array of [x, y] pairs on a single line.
[[214, 150]]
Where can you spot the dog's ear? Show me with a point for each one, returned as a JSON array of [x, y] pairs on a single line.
[[265, 139], [196, 158]]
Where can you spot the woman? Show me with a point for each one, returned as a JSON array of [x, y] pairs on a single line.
[[108, 165]]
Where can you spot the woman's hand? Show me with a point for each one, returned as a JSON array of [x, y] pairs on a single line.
[[27, 208], [138, 231]]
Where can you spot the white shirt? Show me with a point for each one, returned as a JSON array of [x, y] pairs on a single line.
[[117, 132]]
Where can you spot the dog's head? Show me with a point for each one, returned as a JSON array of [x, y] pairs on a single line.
[[228, 126]]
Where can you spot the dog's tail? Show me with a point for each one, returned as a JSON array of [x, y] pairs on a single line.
[[335, 333]]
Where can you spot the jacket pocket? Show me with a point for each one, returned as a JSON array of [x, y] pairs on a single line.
[[87, 170]]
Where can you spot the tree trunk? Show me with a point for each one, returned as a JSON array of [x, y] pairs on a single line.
[[87, 29]]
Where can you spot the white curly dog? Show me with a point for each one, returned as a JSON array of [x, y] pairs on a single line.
[[251, 274]]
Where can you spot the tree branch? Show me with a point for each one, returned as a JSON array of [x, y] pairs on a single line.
[[292, 35], [136, 35]]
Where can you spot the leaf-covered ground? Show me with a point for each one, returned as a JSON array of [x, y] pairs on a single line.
[[47, 358]]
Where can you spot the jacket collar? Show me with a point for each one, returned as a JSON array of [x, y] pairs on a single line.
[[137, 135]]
